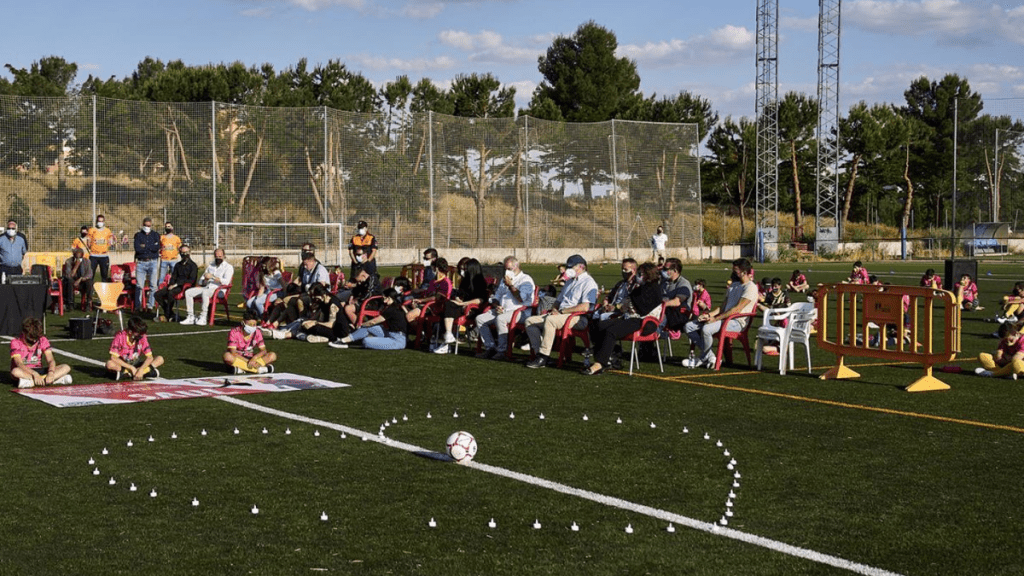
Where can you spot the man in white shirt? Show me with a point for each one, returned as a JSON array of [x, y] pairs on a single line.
[[514, 293], [578, 295], [740, 298], [217, 274], [658, 243]]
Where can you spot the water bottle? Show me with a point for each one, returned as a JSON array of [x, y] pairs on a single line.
[[692, 361]]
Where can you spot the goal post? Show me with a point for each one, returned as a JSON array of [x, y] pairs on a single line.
[[282, 239]]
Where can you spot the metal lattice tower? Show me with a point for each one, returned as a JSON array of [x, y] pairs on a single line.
[[767, 112], [828, 221]]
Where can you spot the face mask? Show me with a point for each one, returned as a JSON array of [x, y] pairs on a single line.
[[218, 261], [84, 234], [462, 273], [427, 263], [664, 274], [11, 232], [100, 224], [169, 230], [362, 231], [510, 274], [248, 329], [359, 258], [626, 274], [569, 274], [398, 290], [734, 277], [185, 256], [146, 229]]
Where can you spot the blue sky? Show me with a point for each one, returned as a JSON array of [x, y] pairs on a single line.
[[703, 47]]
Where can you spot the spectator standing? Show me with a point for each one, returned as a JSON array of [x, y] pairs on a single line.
[[147, 265], [170, 245], [13, 247], [82, 241], [101, 239], [368, 256], [658, 242]]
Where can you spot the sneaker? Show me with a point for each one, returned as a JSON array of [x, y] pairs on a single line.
[[338, 344], [267, 332], [153, 373], [979, 308], [262, 370], [314, 339], [279, 334], [540, 361], [995, 334], [982, 372], [440, 349], [691, 363], [201, 321], [487, 353], [25, 383], [239, 370], [525, 347], [189, 321], [449, 338], [65, 379]]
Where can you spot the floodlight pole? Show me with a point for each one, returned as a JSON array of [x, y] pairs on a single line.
[[952, 229]]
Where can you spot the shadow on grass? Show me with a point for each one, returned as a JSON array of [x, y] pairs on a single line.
[[217, 367]]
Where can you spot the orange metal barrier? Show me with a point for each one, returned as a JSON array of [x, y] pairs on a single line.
[[844, 314]]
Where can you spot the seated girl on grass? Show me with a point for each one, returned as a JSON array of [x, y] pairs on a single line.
[[1008, 361], [27, 353]]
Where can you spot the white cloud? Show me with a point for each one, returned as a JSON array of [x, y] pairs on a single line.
[[262, 12], [723, 44], [314, 5], [486, 39], [403, 65], [951, 22], [489, 47], [421, 10]]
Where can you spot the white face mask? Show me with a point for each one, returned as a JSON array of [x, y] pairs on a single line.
[[510, 274], [11, 232], [398, 290], [362, 231], [359, 258], [100, 224], [248, 329], [427, 263], [569, 274], [146, 229]]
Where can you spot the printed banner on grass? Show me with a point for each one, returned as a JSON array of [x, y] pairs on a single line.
[[160, 389]]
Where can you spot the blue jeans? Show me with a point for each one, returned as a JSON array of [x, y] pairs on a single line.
[[146, 270], [259, 303], [165, 268], [374, 338], [703, 336]]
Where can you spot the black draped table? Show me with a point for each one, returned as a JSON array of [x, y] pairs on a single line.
[[18, 302]]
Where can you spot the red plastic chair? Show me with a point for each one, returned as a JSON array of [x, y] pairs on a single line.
[[516, 324], [467, 321], [365, 312], [566, 339], [730, 338], [219, 297], [648, 332]]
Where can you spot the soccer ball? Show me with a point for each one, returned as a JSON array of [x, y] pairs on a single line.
[[461, 446]]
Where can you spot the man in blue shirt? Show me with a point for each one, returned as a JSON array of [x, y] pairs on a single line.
[[13, 247], [147, 264]]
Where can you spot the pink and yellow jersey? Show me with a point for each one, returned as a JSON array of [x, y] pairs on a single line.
[[704, 298], [860, 277], [1011, 350], [247, 346], [130, 350], [970, 292], [31, 356], [799, 280]]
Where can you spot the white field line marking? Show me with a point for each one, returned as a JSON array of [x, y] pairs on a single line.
[[711, 528], [92, 361]]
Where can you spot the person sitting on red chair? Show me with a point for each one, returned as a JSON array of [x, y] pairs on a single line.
[[740, 298], [77, 275]]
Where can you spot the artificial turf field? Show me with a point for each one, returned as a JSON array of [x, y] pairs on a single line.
[[922, 484]]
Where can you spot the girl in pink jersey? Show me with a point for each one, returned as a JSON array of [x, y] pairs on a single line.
[[27, 353], [130, 354], [246, 349], [1008, 361], [701, 297]]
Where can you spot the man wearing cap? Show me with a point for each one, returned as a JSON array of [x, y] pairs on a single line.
[[367, 257], [77, 274], [578, 295]]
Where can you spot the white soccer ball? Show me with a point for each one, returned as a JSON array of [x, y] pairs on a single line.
[[461, 446]]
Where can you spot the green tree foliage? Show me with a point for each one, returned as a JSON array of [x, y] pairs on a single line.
[[584, 80], [798, 116], [49, 76], [683, 108], [730, 172]]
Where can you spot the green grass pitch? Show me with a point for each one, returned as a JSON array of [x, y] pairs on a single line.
[[922, 484]]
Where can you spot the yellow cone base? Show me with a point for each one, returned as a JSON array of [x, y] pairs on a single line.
[[839, 372], [927, 383]]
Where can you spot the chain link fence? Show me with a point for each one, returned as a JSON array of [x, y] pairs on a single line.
[[419, 180]]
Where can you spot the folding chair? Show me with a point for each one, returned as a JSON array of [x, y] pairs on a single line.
[[110, 301]]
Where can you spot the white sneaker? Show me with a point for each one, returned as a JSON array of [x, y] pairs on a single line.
[[267, 332], [440, 349], [190, 321], [982, 372], [262, 370], [314, 339], [449, 338], [201, 321], [338, 344], [525, 346], [239, 370], [65, 379], [279, 334], [25, 383], [687, 363]]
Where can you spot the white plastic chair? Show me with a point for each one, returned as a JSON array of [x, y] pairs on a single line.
[[800, 324], [772, 330]]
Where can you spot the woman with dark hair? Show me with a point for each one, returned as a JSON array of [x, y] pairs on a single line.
[[644, 300], [439, 288], [384, 332], [472, 292]]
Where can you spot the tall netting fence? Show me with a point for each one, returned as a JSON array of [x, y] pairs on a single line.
[[216, 170]]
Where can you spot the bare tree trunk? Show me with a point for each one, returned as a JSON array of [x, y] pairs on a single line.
[[910, 190], [172, 159], [797, 209], [312, 181], [848, 199], [248, 178]]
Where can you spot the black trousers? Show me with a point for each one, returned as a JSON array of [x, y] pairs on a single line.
[[605, 335], [100, 268], [165, 299]]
